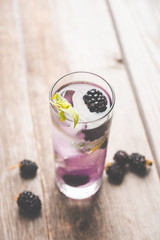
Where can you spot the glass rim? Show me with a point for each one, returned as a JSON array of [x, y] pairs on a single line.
[[85, 72]]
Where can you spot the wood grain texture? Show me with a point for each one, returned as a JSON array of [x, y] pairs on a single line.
[[17, 137], [73, 38], [138, 27], [56, 37]]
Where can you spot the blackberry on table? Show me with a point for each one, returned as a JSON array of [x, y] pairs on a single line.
[[29, 203], [121, 157], [28, 168], [95, 101], [138, 162], [115, 172]]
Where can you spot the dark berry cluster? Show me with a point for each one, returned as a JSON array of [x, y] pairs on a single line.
[[95, 101], [28, 168], [121, 158], [29, 203], [95, 133], [115, 172], [75, 180], [92, 134], [136, 162]]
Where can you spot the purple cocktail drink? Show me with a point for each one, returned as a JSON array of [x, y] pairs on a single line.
[[80, 151]]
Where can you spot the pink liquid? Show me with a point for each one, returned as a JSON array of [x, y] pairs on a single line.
[[80, 153]]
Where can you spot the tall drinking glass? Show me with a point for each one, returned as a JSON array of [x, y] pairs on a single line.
[[80, 152]]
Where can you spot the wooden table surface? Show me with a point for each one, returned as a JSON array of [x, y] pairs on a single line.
[[40, 40]]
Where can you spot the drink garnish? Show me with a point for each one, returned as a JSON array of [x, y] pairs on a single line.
[[95, 101], [64, 107], [97, 146], [75, 180]]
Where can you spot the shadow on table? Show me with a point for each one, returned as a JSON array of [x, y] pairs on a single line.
[[25, 215], [76, 218]]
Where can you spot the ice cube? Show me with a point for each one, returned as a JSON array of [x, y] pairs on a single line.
[[68, 96]]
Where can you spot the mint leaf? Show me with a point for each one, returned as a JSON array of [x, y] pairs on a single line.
[[62, 116], [63, 107], [57, 97], [74, 114]]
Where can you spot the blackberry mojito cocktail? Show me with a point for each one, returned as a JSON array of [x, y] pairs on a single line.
[[81, 112]]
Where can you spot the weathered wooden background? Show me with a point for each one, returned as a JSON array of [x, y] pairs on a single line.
[[40, 40]]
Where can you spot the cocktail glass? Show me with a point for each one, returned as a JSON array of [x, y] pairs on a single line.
[[80, 152]]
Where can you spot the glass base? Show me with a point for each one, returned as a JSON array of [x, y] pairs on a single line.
[[80, 192]]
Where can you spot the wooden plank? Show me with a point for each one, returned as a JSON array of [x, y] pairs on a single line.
[[72, 35], [17, 138], [137, 25]]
